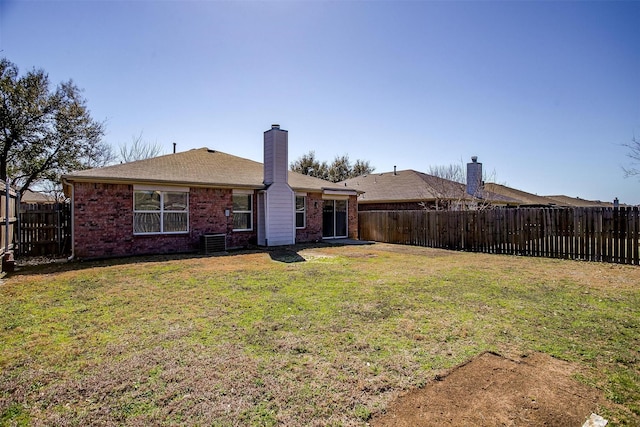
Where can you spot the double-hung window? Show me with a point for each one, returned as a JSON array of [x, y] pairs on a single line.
[[242, 210], [301, 211], [157, 211]]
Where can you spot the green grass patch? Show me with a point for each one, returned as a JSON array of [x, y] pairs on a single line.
[[243, 339]]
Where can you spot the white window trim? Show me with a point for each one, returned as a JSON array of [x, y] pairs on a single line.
[[250, 212], [162, 190], [303, 211]]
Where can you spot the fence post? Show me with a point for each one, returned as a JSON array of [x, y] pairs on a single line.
[[594, 234]]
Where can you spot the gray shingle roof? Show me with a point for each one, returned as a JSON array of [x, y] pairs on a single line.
[[403, 186], [412, 186], [578, 202], [521, 197], [197, 167]]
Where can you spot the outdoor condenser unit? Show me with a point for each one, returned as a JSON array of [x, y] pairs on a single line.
[[212, 243]]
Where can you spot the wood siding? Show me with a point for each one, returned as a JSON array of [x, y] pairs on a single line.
[[591, 234], [280, 208]]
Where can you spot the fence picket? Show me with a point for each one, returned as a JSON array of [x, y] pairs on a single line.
[[594, 234], [45, 229]]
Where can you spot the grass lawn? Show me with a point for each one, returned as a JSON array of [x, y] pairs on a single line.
[[244, 339]]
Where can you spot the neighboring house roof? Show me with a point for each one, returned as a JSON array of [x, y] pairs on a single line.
[[580, 203], [403, 186], [198, 167], [412, 186], [36, 197], [528, 199], [521, 198]]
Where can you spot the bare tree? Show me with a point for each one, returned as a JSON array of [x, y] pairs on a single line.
[[449, 190], [634, 155], [139, 150]]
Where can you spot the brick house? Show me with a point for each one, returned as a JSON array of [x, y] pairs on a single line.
[[168, 203], [413, 190]]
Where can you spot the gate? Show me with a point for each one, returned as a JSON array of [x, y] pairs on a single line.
[[45, 229], [8, 220]]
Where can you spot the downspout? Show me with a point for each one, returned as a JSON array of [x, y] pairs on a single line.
[[294, 214], [266, 218], [6, 216], [73, 229]]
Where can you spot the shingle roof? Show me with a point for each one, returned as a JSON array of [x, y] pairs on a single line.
[[403, 186], [36, 197], [518, 196], [412, 186], [200, 167], [578, 202]]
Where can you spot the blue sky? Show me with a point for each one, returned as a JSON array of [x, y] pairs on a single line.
[[544, 93]]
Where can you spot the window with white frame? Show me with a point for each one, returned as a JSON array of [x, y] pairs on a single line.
[[301, 211], [160, 211], [242, 211]]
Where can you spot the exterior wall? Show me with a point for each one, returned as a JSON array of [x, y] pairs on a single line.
[[207, 208], [276, 147], [280, 210], [352, 227], [103, 222], [313, 230], [474, 177]]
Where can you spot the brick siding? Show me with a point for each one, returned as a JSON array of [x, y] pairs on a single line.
[[352, 229], [313, 229], [103, 222]]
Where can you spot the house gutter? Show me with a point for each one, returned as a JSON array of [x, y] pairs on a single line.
[[340, 192], [132, 181]]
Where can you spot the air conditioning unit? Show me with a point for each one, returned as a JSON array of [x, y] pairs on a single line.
[[212, 243]]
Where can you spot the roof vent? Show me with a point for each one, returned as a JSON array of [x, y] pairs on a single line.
[[275, 126]]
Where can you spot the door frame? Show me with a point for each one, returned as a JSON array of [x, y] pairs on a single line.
[[333, 201]]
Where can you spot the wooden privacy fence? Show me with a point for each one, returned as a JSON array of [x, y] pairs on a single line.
[[592, 234], [45, 229], [7, 239]]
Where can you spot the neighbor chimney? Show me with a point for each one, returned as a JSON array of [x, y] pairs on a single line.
[[616, 203], [276, 166], [174, 148], [394, 170], [474, 177]]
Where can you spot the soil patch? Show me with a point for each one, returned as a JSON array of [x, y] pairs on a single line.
[[491, 390]]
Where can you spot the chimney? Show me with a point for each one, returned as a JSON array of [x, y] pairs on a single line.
[[474, 177], [174, 148], [276, 156], [394, 170]]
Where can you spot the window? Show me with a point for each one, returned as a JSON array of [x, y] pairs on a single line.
[[242, 211], [301, 210], [156, 211]]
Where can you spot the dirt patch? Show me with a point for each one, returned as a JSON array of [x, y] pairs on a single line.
[[492, 390]]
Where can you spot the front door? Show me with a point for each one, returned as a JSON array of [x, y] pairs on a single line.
[[334, 219]]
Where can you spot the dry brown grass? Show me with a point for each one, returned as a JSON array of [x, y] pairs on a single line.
[[246, 340]]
